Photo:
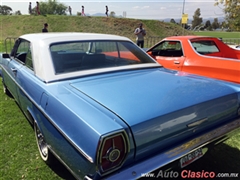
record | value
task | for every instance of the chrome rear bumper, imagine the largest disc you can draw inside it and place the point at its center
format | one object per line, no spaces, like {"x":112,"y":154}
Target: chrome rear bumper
{"x":156,"y":162}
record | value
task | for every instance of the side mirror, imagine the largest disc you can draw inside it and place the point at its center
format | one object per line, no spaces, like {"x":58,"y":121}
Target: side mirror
{"x":5,"y":55}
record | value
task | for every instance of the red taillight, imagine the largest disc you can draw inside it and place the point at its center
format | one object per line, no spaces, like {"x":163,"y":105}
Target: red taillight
{"x":112,"y":152}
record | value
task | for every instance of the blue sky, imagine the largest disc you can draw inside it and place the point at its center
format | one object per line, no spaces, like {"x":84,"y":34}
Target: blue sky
{"x":138,"y":9}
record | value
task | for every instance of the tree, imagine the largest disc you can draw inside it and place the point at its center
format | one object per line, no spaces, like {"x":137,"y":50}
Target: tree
{"x":231,"y":10}
{"x":18,"y":12}
{"x":215,"y":23}
{"x":5,"y":10}
{"x":52,"y":7}
{"x":173,"y":21}
{"x":197,"y":20}
{"x":208,"y":25}
{"x":224,"y":25}
{"x":112,"y":14}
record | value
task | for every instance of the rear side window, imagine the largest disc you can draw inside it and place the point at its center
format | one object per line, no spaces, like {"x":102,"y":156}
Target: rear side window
{"x":29,"y":61}
{"x":23,"y":47}
{"x":205,"y":46}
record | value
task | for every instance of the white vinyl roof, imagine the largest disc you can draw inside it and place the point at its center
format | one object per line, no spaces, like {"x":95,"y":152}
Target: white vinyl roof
{"x":69,"y":36}
{"x":40,"y":47}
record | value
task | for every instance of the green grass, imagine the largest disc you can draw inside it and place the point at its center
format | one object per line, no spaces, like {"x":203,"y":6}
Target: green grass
{"x":6,"y":47}
{"x":228,"y":37}
{"x":24,"y":24}
{"x":20,"y":158}
{"x":219,"y":34}
{"x":15,"y":26}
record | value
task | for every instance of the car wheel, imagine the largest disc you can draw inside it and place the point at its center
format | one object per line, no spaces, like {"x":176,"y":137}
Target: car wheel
{"x":42,"y":145}
{"x":6,"y":91}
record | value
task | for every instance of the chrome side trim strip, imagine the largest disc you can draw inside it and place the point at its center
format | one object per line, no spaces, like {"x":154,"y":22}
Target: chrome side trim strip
{"x":88,"y":157}
{"x":196,"y":123}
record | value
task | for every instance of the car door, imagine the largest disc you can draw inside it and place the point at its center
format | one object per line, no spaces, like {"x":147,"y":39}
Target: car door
{"x":30,"y":91}
{"x":169,"y":54}
{"x":16,"y":62}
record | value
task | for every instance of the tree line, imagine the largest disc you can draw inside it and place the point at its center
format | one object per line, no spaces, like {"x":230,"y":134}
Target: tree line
{"x":231,"y":10}
{"x":197,"y":23}
{"x":51,"y":7}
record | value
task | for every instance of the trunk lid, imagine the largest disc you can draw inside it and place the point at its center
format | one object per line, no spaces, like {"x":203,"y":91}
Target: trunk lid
{"x":163,"y":113}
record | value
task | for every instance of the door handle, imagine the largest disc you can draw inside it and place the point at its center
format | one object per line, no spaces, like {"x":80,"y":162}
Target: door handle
{"x":14,"y":71}
{"x":176,"y":62}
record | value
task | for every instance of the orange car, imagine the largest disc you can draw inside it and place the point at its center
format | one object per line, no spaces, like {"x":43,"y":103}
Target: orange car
{"x":206,"y":56}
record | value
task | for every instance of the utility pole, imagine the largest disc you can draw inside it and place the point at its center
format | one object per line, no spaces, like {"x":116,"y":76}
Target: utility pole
{"x":124,"y":14}
{"x":182,"y":15}
{"x":183,"y":6}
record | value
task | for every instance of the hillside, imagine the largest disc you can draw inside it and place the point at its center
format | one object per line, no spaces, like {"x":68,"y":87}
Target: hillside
{"x":23,"y":24}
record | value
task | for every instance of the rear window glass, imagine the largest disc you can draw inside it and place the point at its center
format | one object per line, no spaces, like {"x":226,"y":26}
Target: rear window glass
{"x":84,"y":55}
{"x":205,"y":46}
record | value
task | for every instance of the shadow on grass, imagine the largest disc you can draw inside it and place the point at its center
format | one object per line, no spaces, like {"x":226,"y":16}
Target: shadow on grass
{"x":61,"y":170}
{"x":220,"y":159}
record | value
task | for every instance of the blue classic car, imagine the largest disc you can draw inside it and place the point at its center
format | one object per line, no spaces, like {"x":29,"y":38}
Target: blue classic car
{"x":107,"y":110}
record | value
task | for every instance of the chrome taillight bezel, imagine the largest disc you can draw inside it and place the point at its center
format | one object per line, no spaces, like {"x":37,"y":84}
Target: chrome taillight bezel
{"x":101,"y":147}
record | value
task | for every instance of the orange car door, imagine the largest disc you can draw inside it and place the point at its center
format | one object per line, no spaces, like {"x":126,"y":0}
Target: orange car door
{"x":175,"y":63}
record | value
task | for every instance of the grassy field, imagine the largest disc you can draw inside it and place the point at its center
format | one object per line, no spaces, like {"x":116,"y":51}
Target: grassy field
{"x":219,"y":34}
{"x":18,"y":25}
{"x":20,"y":158}
{"x":14,"y":26}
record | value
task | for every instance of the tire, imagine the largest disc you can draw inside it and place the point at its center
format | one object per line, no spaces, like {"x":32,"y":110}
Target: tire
{"x":42,"y":145}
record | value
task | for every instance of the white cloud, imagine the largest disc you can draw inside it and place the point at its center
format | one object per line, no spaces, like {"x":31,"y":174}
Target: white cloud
{"x":136,"y":7}
{"x":141,"y":7}
{"x":145,"y":7}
